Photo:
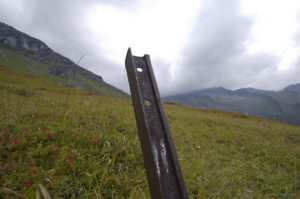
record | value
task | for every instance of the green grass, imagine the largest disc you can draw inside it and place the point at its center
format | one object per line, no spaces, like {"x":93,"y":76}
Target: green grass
{"x":89,"y":147}
{"x":24,"y":65}
{"x":103,"y":88}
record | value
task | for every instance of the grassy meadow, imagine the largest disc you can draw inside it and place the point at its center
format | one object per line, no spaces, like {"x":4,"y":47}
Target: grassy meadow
{"x":79,"y":145}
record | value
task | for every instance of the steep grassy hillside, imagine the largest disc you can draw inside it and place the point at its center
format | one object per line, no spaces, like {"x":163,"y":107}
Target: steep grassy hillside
{"x":24,"y":65}
{"x":28,"y":55}
{"x":87,"y":146}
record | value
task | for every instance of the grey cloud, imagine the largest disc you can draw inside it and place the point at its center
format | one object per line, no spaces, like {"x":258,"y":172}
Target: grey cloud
{"x":163,"y":75}
{"x":292,"y":76}
{"x":216,"y":54}
{"x":297,"y":35}
{"x":58,"y":23}
{"x":62,"y":26}
{"x":295,"y":71}
{"x":120,"y":3}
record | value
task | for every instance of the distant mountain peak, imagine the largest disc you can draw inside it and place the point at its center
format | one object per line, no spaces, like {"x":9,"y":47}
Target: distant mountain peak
{"x":281,"y":105}
{"x":246,"y":89}
{"x":37,"y":50}
{"x":12,"y":38}
{"x":293,"y":88}
{"x":218,"y":90}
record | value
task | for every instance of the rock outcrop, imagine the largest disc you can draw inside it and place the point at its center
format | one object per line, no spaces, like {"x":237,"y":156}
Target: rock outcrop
{"x":37,"y":50}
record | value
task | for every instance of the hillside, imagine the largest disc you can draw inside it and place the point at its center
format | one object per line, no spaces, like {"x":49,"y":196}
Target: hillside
{"x":87,"y":146}
{"x":283,"y":105}
{"x":28,"y":55}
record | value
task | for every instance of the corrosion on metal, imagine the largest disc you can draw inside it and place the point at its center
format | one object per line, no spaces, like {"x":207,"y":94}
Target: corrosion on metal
{"x":160,"y":160}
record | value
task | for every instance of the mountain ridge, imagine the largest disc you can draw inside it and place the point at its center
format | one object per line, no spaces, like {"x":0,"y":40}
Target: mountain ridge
{"x":283,"y":105}
{"x":57,"y":68}
{"x":293,"y":88}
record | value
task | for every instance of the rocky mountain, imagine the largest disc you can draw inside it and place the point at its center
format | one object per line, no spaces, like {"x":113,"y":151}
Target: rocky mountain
{"x":26,"y":54}
{"x":281,"y":105}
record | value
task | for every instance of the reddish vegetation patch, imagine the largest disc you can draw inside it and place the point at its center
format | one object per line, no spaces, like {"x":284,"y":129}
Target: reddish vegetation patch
{"x":44,"y":128}
{"x":28,"y":182}
{"x":94,"y":140}
{"x":50,"y":135}
{"x":69,"y":160}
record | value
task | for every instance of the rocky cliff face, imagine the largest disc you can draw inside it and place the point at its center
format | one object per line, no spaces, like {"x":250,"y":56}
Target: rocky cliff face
{"x":37,"y":50}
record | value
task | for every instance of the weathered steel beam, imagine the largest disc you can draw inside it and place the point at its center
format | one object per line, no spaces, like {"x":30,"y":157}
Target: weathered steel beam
{"x":160,"y":160}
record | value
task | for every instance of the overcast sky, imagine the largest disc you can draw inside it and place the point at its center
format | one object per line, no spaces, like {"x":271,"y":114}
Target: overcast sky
{"x":193,"y":44}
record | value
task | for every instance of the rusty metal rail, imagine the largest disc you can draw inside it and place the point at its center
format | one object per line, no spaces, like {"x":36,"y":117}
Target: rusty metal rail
{"x":160,"y":160}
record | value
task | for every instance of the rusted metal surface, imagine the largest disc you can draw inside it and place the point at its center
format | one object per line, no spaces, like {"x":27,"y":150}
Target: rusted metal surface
{"x":162,"y":167}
